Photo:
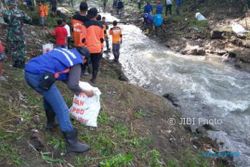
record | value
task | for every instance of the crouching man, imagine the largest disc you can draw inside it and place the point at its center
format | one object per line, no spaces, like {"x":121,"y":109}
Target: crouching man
{"x":41,"y":73}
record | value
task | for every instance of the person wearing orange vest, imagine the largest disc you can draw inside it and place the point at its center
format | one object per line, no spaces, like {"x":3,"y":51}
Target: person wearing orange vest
{"x":116,"y":33}
{"x":106,"y":27}
{"x":46,"y":8}
{"x":99,"y":19}
{"x":79,"y":31}
{"x":94,"y":41}
{"x":42,"y":13}
{"x":78,"y":26}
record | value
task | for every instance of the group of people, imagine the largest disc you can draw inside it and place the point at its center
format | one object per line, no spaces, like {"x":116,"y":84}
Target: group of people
{"x":89,"y":34}
{"x":157,"y":19}
{"x":118,"y":5}
{"x":148,"y":8}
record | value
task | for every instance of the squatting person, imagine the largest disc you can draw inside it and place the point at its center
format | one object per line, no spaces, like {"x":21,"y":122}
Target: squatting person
{"x":41,"y":73}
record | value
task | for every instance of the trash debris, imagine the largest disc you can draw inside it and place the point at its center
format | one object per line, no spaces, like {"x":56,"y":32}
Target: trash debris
{"x":238,"y":29}
{"x":47,"y":47}
{"x":200,"y":17}
{"x":86,"y":109}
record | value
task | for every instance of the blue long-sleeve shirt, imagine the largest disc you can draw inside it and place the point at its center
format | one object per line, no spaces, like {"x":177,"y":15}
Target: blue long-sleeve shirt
{"x":148,"y":8}
{"x":178,"y":2}
{"x":159,"y":9}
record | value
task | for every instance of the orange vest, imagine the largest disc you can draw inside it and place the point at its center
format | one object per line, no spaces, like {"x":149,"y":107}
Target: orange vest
{"x":79,"y":33}
{"x":42,"y":10}
{"x":116,"y":33}
{"x":95,"y":37}
{"x":46,"y":10}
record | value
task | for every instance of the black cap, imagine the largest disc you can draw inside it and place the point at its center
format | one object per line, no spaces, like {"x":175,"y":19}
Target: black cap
{"x":83,"y":51}
{"x":83,"y":6}
{"x":92,"y":12}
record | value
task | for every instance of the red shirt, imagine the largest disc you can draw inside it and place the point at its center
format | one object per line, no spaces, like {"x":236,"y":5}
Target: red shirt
{"x":60,"y":34}
{"x":1,"y":48}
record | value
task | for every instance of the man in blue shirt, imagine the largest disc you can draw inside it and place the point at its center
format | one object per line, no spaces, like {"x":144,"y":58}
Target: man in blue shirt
{"x":159,"y":7}
{"x":42,"y":71}
{"x":148,"y":8}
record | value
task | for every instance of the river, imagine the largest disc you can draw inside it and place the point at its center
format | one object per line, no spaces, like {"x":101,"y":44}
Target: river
{"x":207,"y":90}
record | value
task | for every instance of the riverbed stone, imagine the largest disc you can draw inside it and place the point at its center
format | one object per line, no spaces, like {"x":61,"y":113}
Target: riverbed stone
{"x":216,"y":34}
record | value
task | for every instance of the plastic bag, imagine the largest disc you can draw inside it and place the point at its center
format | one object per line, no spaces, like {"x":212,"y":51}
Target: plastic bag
{"x":199,"y":16}
{"x":86,"y":109}
{"x":47,"y":47}
{"x":238,"y":29}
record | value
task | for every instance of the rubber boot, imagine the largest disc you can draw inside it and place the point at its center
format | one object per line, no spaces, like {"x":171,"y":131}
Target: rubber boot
{"x":73,"y":145}
{"x":51,"y":124}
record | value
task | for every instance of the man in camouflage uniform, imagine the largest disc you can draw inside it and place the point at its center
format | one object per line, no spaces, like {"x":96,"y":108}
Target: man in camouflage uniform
{"x":15,"y":36}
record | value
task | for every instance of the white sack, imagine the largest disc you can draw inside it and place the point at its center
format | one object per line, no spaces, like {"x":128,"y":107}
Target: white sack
{"x":86,"y":109}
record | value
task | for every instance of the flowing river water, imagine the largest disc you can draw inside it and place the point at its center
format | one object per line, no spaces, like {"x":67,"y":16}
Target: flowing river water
{"x":207,"y":90}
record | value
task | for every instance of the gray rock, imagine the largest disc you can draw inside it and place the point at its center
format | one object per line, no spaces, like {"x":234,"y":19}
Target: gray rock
{"x":215,"y":34}
{"x":36,"y":140}
{"x":172,"y":98}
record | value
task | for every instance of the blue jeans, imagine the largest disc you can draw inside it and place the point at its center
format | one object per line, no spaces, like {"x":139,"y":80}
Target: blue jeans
{"x":52,"y":100}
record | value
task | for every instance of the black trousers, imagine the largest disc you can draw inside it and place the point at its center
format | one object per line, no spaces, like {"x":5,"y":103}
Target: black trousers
{"x":95,"y":60}
{"x":169,"y":8}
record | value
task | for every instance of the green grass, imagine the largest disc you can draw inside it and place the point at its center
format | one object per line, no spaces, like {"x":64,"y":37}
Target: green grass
{"x":139,"y":114}
{"x":10,"y":153}
{"x":120,"y":160}
{"x":155,"y":158}
{"x":56,"y":143}
{"x":140,"y":142}
{"x":121,"y":130}
{"x":104,"y":144}
{"x":48,"y":157}
{"x":103,"y":118}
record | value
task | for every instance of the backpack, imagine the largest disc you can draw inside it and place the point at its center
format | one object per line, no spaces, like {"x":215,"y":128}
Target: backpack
{"x":79,"y":33}
{"x":158,"y":20}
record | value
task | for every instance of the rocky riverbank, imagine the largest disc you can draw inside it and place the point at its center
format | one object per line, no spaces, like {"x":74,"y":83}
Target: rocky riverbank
{"x":214,"y":37}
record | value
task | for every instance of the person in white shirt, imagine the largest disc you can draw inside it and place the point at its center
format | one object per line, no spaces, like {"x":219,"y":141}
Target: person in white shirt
{"x":169,"y":7}
{"x":66,"y":26}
